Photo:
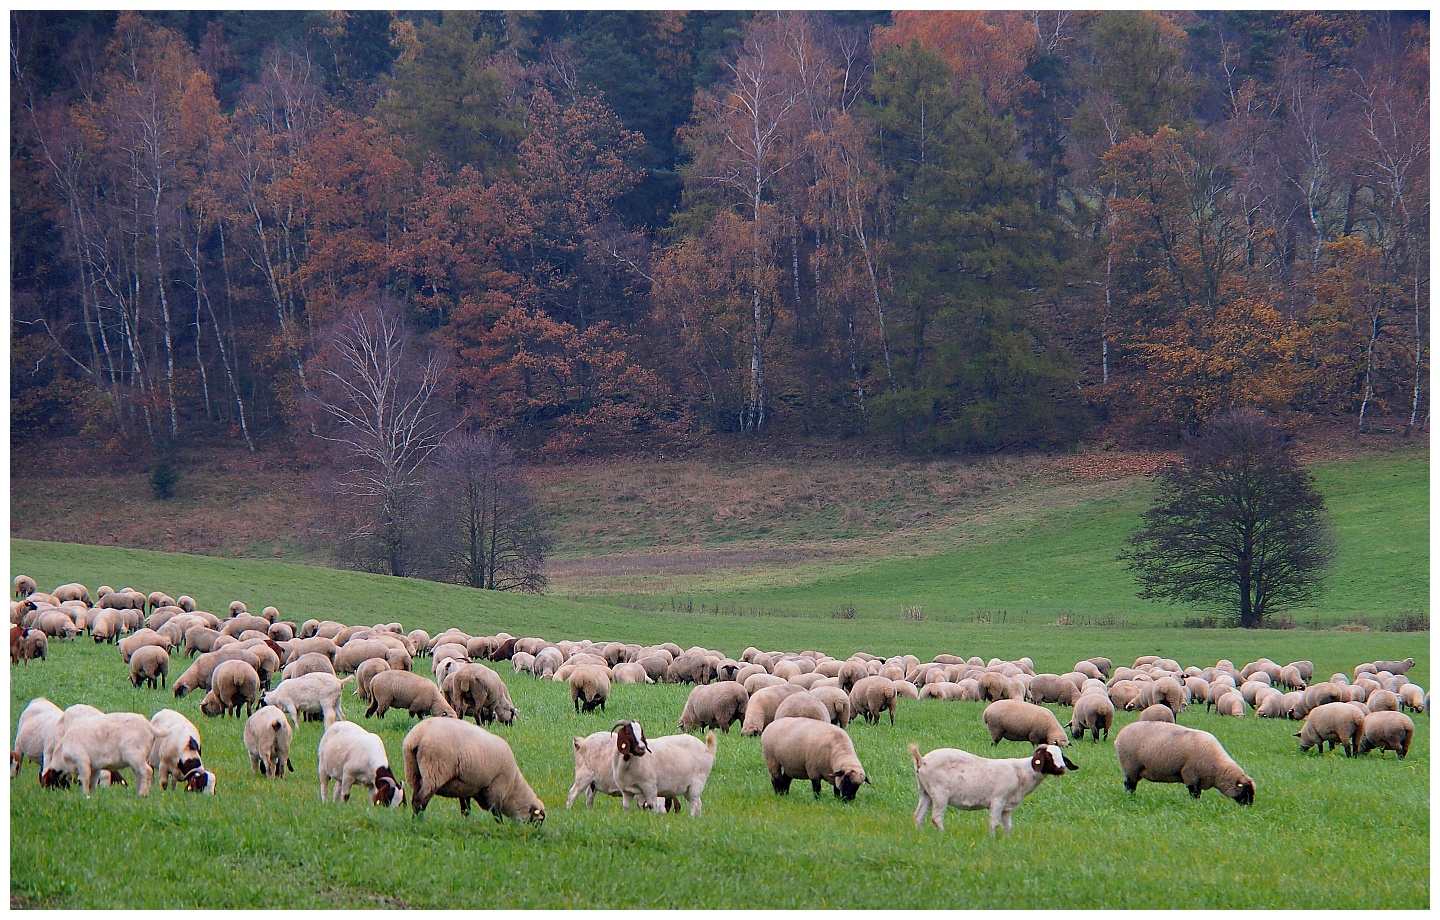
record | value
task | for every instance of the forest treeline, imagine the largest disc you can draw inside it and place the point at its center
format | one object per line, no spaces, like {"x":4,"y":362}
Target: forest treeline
{"x":956,"y":231}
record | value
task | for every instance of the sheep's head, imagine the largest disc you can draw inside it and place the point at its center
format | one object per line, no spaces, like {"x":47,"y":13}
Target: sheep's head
{"x":388,"y":790}
{"x":1243,"y":791}
{"x":848,"y":783}
{"x":1051,"y":761}
{"x":630,"y":739}
{"x":211,"y":705}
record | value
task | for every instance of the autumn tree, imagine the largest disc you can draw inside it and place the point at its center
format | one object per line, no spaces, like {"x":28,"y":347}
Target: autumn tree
{"x":1237,"y":527}
{"x":379,"y":408}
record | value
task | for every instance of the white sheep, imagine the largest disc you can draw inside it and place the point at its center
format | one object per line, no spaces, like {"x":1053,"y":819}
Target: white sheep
{"x":350,"y":755}
{"x":268,"y":735}
{"x":670,"y":767}
{"x":105,"y":742}
{"x":949,"y":777}
{"x":316,"y":692}
{"x":32,"y":731}
{"x":1163,"y":752}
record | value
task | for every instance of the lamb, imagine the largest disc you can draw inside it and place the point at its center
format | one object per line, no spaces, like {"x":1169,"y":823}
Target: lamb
{"x":1094,"y":713}
{"x":33,"y":731}
{"x":1337,"y":723}
{"x":873,"y":695}
{"x":1388,"y":731}
{"x":1017,"y":720}
{"x":1165,"y":753}
{"x":232,"y":685}
{"x":817,"y":751}
{"x":949,"y":777}
{"x":589,"y":687}
{"x":268,"y":734}
{"x":671,"y":767}
{"x":175,"y":753}
{"x":349,"y":755}
{"x":316,"y":692}
{"x":150,"y":665}
{"x":760,"y":710}
{"x":108,"y":741}
{"x":454,"y":759}
{"x":717,"y":705}
{"x":410,"y":691}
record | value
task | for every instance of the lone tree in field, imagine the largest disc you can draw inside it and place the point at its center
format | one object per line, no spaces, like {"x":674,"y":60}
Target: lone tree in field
{"x":1238,"y":525}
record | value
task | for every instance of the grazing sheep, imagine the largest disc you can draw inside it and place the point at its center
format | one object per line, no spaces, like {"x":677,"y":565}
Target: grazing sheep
{"x":454,"y":759}
{"x":1158,"y":712}
{"x":996,"y":686}
{"x":313,"y":693}
{"x":268,"y":734}
{"x":817,"y":751}
{"x":150,"y":665}
{"x":838,"y":702}
{"x":311,"y":663}
{"x":200,"y":638}
{"x":1337,"y":723}
{"x":24,"y":586}
{"x":475,"y":690}
{"x":760,"y":709}
{"x":1165,"y":753}
{"x":175,"y":753}
{"x":1326,"y":692}
{"x":1017,"y":720}
{"x":1166,"y":691}
{"x":33,"y":731}
{"x":589,"y":687}
{"x":1052,"y":688}
{"x":1291,"y":678}
{"x":350,"y":755}
{"x":1412,"y":697}
{"x":202,"y":669}
{"x":1388,"y":731}
{"x":232,"y":685}
{"x":873,"y":695}
{"x":631,"y":672}
{"x":949,"y":777}
{"x":107,"y":741}
{"x":74,"y":591}
{"x":34,"y":644}
{"x":671,"y":767}
{"x":1094,"y":713}
{"x":803,"y":706}
{"x":1382,"y":701}
{"x":1271,"y":705}
{"x":716,"y":705}
{"x":407,"y":690}
{"x":365,"y":673}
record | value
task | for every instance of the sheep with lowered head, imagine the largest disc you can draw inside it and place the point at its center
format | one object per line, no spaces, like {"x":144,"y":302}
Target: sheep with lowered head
{"x":949,"y":777}
{"x":671,"y":767}
{"x":108,"y":741}
{"x":175,"y":755}
{"x":810,"y":749}
{"x":1093,"y":713}
{"x":267,"y":736}
{"x":32,"y":731}
{"x":349,"y":755}
{"x":409,"y":691}
{"x":457,"y":760}
{"x":232,"y":685}
{"x":1017,"y":720}
{"x":1162,"y":752}
{"x":1337,"y":723}
{"x":1388,"y":731}
{"x":717,"y":705}
{"x":149,"y":665}
{"x":760,"y":709}
{"x":315,"y":693}
{"x":589,"y":687}
{"x":873,"y":695}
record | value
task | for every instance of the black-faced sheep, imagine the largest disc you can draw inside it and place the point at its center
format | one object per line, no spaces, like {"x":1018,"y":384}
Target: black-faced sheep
{"x":1337,"y":723}
{"x":268,"y":735}
{"x":1093,"y":713}
{"x":350,"y":755}
{"x":671,"y":767}
{"x":1387,"y":731}
{"x":717,"y":705}
{"x":1164,"y":753}
{"x":589,"y":687}
{"x":817,"y":751}
{"x":232,"y":685}
{"x":407,"y":690}
{"x":1017,"y":720}
{"x":454,"y":759}
{"x":873,"y":695}
{"x":948,"y":777}
{"x":149,"y":665}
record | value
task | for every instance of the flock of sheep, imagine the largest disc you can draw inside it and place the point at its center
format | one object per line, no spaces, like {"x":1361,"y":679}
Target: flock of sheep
{"x":799,"y":705}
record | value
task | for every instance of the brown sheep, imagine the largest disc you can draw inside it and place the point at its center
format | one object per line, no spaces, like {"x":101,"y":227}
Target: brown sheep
{"x":589,"y":687}
{"x":809,"y":749}
{"x":403,"y":689}
{"x":1017,"y":720}
{"x":150,"y":665}
{"x":873,"y":695}
{"x":454,"y":759}
{"x":232,"y":685}
{"x":715,"y":705}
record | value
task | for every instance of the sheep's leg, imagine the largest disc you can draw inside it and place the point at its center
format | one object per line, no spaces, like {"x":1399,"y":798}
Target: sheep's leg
{"x":921,"y":809}
{"x":815,"y":785}
{"x":781,"y":783}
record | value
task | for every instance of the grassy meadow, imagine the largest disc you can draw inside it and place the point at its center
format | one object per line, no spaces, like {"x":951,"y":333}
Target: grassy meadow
{"x":1025,"y":571}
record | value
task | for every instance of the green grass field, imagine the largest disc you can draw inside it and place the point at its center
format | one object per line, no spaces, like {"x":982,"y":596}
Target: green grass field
{"x":1325,"y":832}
